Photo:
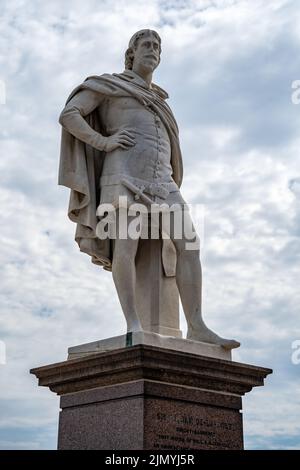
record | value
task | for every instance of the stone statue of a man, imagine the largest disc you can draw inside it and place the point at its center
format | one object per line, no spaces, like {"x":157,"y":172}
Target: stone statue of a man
{"x":120,"y":138}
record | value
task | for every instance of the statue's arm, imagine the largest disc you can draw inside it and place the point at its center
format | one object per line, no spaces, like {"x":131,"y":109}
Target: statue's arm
{"x":72,"y":118}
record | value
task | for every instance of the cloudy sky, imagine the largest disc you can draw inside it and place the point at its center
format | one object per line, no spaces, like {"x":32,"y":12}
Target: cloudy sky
{"x":228,"y":66}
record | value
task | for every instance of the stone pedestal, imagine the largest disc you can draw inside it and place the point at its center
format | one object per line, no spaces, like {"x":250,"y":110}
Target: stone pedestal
{"x":150,"y":339}
{"x":149,"y":397}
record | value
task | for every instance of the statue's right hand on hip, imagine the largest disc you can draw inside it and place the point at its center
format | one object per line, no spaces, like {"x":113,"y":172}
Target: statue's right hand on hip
{"x":123,"y":138}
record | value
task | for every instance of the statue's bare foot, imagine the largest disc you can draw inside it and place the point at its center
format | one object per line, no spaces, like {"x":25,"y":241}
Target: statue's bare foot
{"x":205,"y":335}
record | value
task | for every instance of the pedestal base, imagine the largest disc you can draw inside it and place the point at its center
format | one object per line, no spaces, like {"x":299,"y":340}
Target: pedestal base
{"x":149,"y":339}
{"x":145,"y":397}
{"x":149,"y":415}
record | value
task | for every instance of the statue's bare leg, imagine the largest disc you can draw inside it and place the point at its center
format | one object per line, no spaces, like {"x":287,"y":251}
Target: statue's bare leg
{"x":189,"y":282}
{"x":124,"y":276}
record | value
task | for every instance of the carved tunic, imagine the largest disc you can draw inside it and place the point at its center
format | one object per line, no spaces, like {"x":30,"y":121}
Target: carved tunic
{"x":142,"y":170}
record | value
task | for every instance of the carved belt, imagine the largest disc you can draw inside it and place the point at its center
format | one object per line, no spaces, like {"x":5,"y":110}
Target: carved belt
{"x":138,"y":187}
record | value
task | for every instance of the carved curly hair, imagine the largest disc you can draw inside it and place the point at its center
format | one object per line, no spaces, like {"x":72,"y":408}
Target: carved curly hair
{"x":129,"y":54}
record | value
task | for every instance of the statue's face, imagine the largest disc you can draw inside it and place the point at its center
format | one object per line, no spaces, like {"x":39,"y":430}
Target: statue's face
{"x":147,"y":53}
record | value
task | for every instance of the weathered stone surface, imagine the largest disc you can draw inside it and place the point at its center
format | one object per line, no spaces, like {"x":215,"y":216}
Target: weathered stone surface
{"x":144,"y":397}
{"x":150,"y":339}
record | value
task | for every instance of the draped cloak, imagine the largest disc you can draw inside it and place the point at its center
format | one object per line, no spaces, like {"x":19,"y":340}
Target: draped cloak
{"x":81,"y":165}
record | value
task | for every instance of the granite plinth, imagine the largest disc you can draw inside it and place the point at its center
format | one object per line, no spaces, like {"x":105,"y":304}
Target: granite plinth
{"x":149,"y":415}
{"x":146,"y":397}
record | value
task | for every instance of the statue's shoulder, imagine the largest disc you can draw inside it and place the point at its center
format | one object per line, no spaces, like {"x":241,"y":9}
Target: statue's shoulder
{"x":99,"y":78}
{"x":107,"y":83}
{"x":104,"y":79}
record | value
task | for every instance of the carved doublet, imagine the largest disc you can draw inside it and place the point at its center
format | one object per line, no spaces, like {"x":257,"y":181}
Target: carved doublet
{"x":148,"y":162}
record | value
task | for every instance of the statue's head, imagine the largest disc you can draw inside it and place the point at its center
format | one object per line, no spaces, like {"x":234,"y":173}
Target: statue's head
{"x":144,"y":49}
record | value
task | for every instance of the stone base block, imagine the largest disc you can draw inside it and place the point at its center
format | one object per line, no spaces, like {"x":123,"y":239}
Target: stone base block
{"x":150,"y":339}
{"x":149,"y":415}
{"x":147,"y":397}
